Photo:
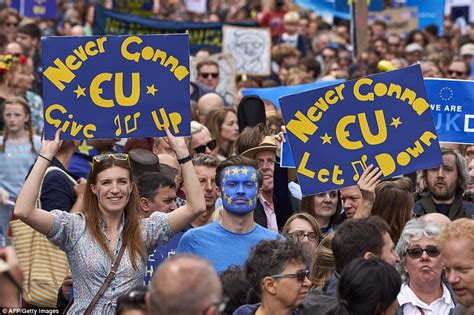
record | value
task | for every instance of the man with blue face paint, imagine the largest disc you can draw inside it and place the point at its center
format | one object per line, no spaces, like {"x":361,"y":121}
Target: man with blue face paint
{"x":229,"y":241}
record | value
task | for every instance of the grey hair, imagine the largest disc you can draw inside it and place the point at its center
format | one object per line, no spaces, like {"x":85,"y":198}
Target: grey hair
{"x":414,"y":230}
{"x":195,"y":128}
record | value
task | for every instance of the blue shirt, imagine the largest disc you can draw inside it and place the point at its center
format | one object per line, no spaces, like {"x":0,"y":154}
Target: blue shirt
{"x":222,"y":247}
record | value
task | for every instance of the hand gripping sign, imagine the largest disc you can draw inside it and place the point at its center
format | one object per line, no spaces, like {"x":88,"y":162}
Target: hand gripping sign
{"x":335,"y":132}
{"x":116,"y":86}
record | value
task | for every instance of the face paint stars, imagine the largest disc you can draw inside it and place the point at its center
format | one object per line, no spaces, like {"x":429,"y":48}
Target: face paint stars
{"x":245,"y":171}
{"x":254,"y":176}
{"x":250,"y":203}
{"x":151,"y":89}
{"x":227,"y":171}
{"x":229,"y":200}
{"x":235,"y":171}
{"x":396,"y":122}
{"x":80,"y":91}
{"x":326,"y":138}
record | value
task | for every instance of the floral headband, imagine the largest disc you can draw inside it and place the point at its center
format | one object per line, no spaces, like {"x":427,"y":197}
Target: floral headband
{"x":6,"y":61}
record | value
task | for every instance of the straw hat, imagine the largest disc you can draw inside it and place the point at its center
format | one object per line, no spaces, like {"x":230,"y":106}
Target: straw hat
{"x":268,"y":144}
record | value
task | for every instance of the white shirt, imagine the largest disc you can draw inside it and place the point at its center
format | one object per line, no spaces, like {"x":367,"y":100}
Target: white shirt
{"x":410,"y":302}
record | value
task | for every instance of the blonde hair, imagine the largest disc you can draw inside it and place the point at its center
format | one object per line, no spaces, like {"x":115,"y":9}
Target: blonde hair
{"x":323,"y":265}
{"x":462,"y":228}
{"x":291,"y":17}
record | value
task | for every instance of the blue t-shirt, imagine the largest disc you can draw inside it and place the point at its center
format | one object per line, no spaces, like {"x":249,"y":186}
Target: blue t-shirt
{"x":222,"y":247}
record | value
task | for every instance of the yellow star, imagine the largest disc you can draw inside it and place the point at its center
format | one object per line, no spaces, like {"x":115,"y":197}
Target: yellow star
{"x":224,"y":180}
{"x":229,"y":200}
{"x":396,"y":122}
{"x":245,"y":171}
{"x":225,"y":196}
{"x":227,"y":172}
{"x":151,"y":89}
{"x":80,"y":91}
{"x":84,"y":148}
{"x":326,"y":138}
{"x":250,"y":203}
{"x":254,"y":176}
{"x":235,"y":171}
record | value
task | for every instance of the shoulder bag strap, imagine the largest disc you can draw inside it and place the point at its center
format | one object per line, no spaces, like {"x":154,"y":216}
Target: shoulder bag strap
{"x":107,"y":281}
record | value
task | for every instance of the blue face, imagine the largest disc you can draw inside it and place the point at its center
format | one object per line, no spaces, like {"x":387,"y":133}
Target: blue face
{"x":239,"y":188}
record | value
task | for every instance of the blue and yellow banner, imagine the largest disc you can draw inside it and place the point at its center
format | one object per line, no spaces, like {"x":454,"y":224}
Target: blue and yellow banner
{"x":116,"y":86}
{"x":201,"y":35}
{"x":336,"y":132}
{"x":452,"y":106}
{"x":138,"y":7}
{"x":45,"y":9}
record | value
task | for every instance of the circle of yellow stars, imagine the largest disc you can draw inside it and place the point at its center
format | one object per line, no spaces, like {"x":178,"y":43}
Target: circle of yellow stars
{"x":236,"y":171}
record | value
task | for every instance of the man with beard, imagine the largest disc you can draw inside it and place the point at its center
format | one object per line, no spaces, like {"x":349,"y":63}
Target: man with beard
{"x":457,"y":251}
{"x":229,"y":241}
{"x":446,"y":185}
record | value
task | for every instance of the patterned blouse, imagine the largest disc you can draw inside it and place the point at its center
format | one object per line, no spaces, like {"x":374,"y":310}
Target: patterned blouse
{"x":90,"y":265}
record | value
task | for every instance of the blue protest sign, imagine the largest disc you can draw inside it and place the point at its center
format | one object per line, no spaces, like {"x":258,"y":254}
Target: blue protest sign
{"x":429,"y":12}
{"x":45,"y":9}
{"x":452,"y":106}
{"x":116,"y":86}
{"x":138,"y":7}
{"x":336,"y":132}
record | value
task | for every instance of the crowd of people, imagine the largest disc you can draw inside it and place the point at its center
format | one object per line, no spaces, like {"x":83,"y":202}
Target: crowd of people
{"x":212,"y":223}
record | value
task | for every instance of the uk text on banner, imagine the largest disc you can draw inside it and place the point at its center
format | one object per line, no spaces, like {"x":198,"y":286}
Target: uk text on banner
{"x":335,"y":132}
{"x":45,"y":9}
{"x":452,"y":106}
{"x":116,"y":86}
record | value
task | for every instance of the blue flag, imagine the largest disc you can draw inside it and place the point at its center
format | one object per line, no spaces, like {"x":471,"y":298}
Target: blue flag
{"x":336,"y":132}
{"x":452,"y":106}
{"x":45,"y":9}
{"x":116,"y":86}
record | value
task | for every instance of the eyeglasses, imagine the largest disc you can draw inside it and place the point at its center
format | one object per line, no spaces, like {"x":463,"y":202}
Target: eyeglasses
{"x":416,"y":252}
{"x":300,"y":235}
{"x":221,"y":305}
{"x":209,"y":74}
{"x":326,"y":57}
{"x":102,"y":157}
{"x":454,"y":72}
{"x":202,"y":148}
{"x":300,"y":275}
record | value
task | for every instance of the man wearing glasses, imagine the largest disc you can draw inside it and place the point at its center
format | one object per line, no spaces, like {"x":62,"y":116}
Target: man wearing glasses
{"x":208,"y":73}
{"x":459,"y":69}
{"x":200,"y":140}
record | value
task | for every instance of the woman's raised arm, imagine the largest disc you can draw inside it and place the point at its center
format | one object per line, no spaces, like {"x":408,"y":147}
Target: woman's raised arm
{"x":195,"y":203}
{"x":25,"y":209}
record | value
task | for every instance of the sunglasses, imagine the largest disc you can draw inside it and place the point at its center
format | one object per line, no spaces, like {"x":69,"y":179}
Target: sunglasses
{"x":10,"y":24}
{"x":220,"y":305}
{"x":202,"y":148}
{"x":416,"y":252}
{"x":300,"y":235}
{"x":102,"y":157}
{"x":300,"y":275}
{"x":209,"y":74}
{"x":460,"y":73}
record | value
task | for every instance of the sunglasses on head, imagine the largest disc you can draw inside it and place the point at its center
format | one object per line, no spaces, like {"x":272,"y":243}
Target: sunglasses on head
{"x":299,"y":275}
{"x":102,"y":157}
{"x":209,"y":74}
{"x":416,"y":252}
{"x":202,"y":148}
